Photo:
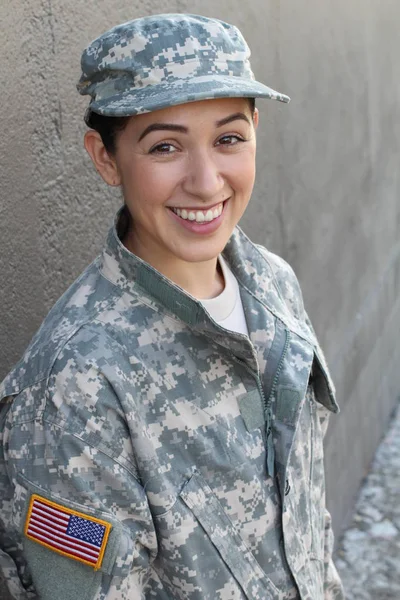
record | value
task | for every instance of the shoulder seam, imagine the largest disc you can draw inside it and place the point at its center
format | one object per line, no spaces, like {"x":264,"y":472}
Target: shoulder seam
{"x":134,"y":475}
{"x":84,"y":441}
{"x":92,"y":317}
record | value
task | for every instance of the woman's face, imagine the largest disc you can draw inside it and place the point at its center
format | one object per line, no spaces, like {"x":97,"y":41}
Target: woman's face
{"x":187,"y":174}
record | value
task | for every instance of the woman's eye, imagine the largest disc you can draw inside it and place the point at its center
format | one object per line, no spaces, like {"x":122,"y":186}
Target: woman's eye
{"x":163,"y":149}
{"x":230,"y":140}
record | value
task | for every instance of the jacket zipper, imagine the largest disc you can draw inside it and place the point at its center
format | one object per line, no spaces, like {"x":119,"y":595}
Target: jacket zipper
{"x":267,"y":404}
{"x":280,"y":365}
{"x":270,"y":441}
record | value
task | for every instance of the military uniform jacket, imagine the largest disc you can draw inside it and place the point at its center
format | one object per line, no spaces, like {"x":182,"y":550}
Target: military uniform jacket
{"x":168,"y":442}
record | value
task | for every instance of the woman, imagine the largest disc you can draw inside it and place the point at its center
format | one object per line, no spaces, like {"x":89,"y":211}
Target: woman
{"x":162,"y":435}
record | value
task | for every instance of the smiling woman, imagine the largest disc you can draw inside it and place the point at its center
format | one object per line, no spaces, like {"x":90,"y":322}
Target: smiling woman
{"x":162,"y":435}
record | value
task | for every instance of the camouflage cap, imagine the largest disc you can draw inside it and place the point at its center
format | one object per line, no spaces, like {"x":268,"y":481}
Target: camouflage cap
{"x":163,"y":60}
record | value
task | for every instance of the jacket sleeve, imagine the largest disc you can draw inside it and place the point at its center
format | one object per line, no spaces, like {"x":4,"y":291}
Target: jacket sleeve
{"x":75,"y":455}
{"x":333,"y":589}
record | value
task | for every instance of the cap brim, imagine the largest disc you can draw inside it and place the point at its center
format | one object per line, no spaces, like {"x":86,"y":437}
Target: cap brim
{"x":156,"y":97}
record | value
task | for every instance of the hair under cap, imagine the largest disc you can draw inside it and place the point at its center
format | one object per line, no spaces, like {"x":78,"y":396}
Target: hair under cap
{"x":164,"y":60}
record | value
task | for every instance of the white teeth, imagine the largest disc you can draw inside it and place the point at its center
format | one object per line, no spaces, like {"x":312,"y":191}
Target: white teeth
{"x":199,"y":216}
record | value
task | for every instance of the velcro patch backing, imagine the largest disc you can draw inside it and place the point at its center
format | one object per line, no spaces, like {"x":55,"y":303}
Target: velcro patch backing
{"x":252,"y":410}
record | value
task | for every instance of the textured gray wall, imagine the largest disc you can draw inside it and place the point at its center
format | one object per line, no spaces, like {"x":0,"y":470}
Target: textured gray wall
{"x":327,"y":196}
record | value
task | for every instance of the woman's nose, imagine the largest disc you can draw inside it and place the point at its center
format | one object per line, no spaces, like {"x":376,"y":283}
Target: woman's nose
{"x":203,"y":176}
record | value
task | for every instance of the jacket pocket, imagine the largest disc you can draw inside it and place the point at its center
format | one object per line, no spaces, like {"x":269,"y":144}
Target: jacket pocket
{"x":205,"y":506}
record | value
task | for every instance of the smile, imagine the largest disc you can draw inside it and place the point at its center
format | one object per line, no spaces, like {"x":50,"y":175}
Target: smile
{"x":200,"y":216}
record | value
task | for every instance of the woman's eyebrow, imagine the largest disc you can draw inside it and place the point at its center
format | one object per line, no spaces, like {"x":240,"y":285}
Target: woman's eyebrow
{"x":163,"y":127}
{"x":231,"y":118}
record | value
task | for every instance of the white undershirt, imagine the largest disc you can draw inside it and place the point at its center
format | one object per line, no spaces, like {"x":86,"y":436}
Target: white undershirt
{"x":227,"y":308}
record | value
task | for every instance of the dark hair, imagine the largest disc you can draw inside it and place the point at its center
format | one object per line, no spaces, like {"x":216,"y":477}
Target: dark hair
{"x":110,"y":127}
{"x":107,"y":127}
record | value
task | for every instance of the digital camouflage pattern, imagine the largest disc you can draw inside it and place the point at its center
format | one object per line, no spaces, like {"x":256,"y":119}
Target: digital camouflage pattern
{"x":163,"y":60}
{"x":200,"y":446}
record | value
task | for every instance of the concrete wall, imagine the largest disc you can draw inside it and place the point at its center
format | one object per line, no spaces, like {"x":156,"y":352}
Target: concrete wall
{"x":327,"y":195}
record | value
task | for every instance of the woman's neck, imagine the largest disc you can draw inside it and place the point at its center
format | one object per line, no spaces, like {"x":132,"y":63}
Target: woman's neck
{"x":201,"y":280}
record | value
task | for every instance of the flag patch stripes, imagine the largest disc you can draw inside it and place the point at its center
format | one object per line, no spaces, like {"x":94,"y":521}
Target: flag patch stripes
{"x":66,"y":531}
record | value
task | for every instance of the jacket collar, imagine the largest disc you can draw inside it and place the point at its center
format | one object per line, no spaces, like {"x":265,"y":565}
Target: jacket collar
{"x":251,"y":268}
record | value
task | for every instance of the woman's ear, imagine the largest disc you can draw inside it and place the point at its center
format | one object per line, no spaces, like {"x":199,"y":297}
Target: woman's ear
{"x":255,"y":118}
{"x":105,"y":164}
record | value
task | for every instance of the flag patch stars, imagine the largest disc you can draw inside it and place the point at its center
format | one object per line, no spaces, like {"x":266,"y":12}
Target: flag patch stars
{"x":66,"y":531}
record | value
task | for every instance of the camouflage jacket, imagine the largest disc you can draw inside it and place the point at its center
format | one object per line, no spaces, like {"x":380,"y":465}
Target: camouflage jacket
{"x":168,"y":441}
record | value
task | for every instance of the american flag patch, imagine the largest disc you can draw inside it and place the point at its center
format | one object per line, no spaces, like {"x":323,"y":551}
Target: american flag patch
{"x":66,"y":531}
